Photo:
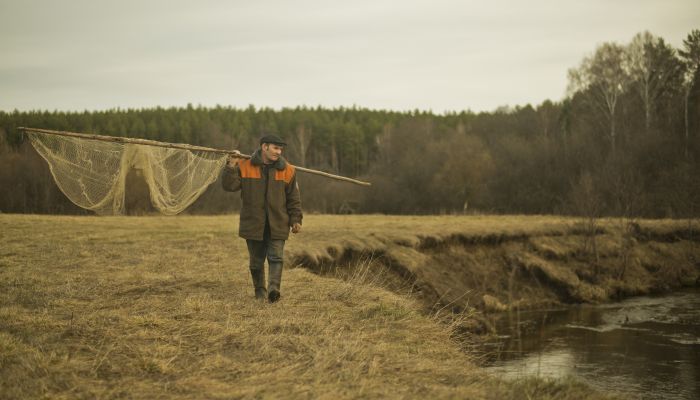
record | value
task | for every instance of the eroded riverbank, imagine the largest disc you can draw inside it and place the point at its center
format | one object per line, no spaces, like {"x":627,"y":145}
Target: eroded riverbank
{"x":494,"y":264}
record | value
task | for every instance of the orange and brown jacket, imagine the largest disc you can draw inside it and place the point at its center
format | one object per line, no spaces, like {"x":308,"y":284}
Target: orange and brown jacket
{"x":276,"y":197}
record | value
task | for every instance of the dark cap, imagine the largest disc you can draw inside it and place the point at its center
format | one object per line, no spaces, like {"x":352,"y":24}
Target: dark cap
{"x":274,"y":139}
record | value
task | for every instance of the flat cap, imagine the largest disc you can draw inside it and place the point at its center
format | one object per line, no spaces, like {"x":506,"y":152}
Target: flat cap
{"x":274,"y":139}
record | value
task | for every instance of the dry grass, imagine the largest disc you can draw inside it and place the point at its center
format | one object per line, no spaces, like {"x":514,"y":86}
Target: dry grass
{"x":157,"y":307}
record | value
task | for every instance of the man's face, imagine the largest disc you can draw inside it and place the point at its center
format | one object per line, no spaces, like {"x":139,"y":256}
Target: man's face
{"x":271,"y":152}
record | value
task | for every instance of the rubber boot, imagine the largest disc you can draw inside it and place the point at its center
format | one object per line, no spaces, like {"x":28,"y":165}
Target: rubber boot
{"x":258,"y":276}
{"x":275,"y":281}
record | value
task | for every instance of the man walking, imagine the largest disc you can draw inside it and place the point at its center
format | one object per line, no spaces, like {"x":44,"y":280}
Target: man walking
{"x":271,"y":207}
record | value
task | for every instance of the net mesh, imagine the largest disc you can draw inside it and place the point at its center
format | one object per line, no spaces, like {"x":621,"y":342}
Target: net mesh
{"x":92,"y":173}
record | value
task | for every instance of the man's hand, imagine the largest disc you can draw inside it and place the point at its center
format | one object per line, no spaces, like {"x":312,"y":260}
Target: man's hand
{"x":296,"y":228}
{"x":234,"y":158}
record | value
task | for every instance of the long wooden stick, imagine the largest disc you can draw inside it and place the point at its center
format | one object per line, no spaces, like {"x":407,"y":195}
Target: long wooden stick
{"x":182,"y":146}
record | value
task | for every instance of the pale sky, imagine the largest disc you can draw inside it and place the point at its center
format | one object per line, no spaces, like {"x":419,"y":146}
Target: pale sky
{"x":430,"y":55}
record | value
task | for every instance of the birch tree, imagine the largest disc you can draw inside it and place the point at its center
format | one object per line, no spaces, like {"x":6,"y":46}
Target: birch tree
{"x":652,"y":65}
{"x":603,"y":78}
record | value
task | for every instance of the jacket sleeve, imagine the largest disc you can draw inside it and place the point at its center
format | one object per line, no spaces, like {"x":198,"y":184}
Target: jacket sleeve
{"x":231,"y":179}
{"x":293,"y":201}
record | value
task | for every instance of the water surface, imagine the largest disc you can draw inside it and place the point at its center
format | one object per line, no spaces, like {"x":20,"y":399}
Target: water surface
{"x":645,"y":347}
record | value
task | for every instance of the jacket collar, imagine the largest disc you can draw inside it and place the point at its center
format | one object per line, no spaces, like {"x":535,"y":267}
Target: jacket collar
{"x":256,"y":159}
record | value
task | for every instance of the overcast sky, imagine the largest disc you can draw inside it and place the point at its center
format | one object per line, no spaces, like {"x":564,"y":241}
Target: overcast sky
{"x":401,"y":55}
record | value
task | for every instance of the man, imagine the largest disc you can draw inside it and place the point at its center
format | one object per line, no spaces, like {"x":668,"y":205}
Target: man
{"x":271,"y":207}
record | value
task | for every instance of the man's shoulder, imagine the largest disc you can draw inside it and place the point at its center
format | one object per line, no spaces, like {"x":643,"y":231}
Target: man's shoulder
{"x":286,"y":174}
{"x":248,"y":169}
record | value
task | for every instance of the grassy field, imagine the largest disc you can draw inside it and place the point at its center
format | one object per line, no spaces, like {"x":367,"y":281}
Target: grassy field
{"x":162,"y":307}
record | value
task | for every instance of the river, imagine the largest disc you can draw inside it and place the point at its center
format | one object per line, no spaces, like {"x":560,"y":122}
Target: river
{"x":644,"y":347}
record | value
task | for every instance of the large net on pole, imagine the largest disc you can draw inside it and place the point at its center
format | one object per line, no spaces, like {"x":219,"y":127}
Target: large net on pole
{"x":92,"y":173}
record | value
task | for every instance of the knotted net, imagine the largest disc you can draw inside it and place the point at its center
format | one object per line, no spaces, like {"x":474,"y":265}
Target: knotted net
{"x":92,"y":173}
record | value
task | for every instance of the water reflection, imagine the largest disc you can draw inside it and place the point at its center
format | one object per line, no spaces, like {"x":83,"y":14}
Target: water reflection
{"x":647,"y":347}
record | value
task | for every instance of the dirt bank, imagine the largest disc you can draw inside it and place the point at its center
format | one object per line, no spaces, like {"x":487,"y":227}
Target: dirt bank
{"x":509,"y":262}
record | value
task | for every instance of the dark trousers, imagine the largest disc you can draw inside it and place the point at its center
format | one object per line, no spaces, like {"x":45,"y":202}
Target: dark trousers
{"x":259,"y":250}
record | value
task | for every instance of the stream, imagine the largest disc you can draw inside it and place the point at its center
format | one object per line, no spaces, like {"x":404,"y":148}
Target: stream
{"x":643,"y":347}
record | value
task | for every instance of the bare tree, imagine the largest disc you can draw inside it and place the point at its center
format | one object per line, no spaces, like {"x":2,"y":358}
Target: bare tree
{"x":651,"y":64}
{"x":624,"y":185}
{"x":690,"y":54}
{"x":603,"y":78}
{"x":302,"y":139}
{"x":586,"y":201}
{"x":547,"y":115}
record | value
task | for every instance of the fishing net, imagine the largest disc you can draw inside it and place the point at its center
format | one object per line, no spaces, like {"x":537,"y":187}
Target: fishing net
{"x":92,"y":173}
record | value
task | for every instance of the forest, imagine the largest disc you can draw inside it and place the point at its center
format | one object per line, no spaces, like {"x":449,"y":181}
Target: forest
{"x":624,"y":141}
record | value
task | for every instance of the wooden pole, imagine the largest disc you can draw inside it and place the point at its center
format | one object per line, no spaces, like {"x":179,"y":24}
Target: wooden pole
{"x":182,"y":146}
